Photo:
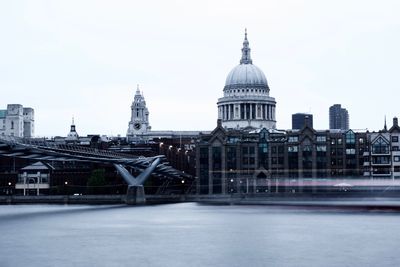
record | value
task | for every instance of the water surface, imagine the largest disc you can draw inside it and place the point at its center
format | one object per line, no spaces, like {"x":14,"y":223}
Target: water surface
{"x":190,"y":234}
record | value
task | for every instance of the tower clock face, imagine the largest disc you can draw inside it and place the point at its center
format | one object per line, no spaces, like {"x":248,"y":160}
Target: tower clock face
{"x":137,"y":125}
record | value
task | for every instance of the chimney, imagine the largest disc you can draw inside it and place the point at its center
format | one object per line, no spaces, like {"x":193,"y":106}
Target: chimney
{"x":395,"y":121}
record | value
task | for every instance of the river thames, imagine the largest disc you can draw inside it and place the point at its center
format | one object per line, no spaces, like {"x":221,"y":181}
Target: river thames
{"x":189,"y":234}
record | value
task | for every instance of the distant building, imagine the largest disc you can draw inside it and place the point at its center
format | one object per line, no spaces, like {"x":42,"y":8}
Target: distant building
{"x":299,"y":120}
{"x":17,"y":121}
{"x":338,"y":117}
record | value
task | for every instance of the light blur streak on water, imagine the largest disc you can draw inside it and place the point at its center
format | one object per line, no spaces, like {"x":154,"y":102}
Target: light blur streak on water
{"x":195,"y":235}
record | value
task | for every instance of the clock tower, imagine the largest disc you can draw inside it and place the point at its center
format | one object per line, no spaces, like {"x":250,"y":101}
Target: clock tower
{"x":139,"y":123}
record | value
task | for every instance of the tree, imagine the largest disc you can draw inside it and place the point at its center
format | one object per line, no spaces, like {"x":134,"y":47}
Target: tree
{"x":96,"y":179}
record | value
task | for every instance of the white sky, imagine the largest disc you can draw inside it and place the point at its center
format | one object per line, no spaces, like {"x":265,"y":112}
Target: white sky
{"x":84,"y":59}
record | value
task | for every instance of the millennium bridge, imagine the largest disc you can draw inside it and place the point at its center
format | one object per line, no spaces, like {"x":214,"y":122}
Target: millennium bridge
{"x":47,"y":151}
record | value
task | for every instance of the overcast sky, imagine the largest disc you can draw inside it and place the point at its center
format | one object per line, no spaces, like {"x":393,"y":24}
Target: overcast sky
{"x":85,"y":58}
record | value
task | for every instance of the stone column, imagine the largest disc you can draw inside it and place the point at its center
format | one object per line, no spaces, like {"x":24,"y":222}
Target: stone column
{"x":264,"y":111}
{"x":251,"y":111}
{"x":273,"y":113}
{"x":224,"y":112}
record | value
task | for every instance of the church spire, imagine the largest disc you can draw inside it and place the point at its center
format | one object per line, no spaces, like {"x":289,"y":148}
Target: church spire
{"x":246,"y":59}
{"x":137,"y":90}
{"x":385,"y":126}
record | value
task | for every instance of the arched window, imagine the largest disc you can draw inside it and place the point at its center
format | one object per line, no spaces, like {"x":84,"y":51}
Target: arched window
{"x":12,"y":125}
{"x":350,"y":137}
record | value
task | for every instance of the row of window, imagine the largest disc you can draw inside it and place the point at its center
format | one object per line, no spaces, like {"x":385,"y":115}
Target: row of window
{"x":247,"y":90}
{"x":350,"y":139}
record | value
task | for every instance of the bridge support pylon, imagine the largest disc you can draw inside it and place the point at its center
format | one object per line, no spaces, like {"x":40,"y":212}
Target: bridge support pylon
{"x":135,"y":195}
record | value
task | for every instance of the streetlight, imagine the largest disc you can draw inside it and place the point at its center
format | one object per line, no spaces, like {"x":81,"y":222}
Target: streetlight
{"x":9,"y":190}
{"x":183,"y":186}
{"x":65,"y":187}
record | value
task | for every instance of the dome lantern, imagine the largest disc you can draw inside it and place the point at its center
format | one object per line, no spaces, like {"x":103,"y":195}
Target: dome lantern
{"x":246,"y":59}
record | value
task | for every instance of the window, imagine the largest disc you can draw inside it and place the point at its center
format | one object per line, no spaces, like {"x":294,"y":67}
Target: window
{"x":396,"y":158}
{"x":321,"y":148}
{"x":251,"y":150}
{"x":293,"y":148}
{"x":333,"y":141}
{"x":293,"y":139}
{"x":321,"y":138}
{"x":350,"y":151}
{"x":395,"y":139}
{"x":12,"y":125}
{"x":350,"y":137}
{"x":232,"y":140}
{"x":381,"y":160}
{"x":361,"y":141}
{"x":395,"y":148}
{"x":380,"y":146}
{"x":339,"y":141}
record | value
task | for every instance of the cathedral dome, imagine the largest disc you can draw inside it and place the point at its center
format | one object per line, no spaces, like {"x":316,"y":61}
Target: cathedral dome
{"x":246,"y":102}
{"x":246,"y":75}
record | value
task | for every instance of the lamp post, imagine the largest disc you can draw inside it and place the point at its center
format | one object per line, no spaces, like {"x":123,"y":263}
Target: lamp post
{"x":183,"y":186}
{"x":9,"y":191}
{"x":65,"y":187}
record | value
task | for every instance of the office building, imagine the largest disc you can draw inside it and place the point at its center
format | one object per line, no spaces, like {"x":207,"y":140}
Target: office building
{"x":299,"y":120}
{"x":338,"y":117}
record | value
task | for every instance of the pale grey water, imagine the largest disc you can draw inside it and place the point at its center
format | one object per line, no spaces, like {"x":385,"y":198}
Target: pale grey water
{"x":195,"y":235}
